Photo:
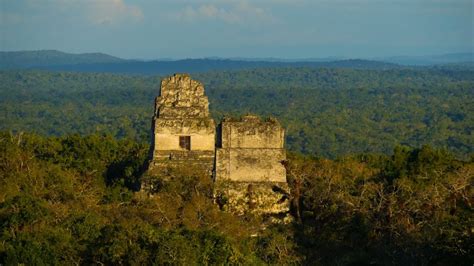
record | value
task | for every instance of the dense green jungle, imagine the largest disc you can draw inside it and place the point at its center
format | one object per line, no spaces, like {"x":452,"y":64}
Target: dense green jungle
{"x":380,"y":168}
{"x":326,"y":112}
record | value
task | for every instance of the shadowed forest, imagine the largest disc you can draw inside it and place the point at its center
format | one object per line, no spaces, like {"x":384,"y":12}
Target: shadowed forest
{"x":69,"y":200}
{"x":380,"y":167}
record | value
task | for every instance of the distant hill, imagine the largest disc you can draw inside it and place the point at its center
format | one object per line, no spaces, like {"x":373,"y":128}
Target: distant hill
{"x":457,"y":66}
{"x":29,"y":59}
{"x":431,"y":59}
{"x":97,"y":62}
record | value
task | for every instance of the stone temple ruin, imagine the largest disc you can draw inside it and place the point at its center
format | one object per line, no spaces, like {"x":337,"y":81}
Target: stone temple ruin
{"x":244,"y":158}
{"x":183,"y":132}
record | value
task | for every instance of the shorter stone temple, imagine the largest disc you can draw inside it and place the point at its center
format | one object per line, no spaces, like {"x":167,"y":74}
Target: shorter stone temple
{"x":249,"y":169}
{"x":244,"y":158}
{"x":250,"y":150}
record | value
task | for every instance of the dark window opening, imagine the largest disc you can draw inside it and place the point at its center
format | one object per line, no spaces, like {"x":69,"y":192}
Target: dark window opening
{"x":185,"y":142}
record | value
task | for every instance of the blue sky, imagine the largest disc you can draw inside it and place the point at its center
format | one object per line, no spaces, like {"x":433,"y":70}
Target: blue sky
{"x":151,"y":29}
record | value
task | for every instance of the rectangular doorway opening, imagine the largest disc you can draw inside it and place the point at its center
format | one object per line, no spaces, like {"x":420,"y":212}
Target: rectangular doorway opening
{"x":185,"y":142}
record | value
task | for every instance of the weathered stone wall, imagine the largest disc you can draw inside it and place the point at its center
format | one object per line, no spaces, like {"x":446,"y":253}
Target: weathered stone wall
{"x":250,"y":132}
{"x":251,"y":150}
{"x":266,"y":199}
{"x":249,"y":168}
{"x":250,"y":165}
{"x":201,"y":131}
{"x":166,"y":163}
{"x":181,"y":97}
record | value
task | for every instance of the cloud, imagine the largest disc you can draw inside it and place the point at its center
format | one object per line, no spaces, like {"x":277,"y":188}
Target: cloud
{"x":103,"y":12}
{"x":238,"y":12}
{"x":10,"y":18}
{"x":111,"y":11}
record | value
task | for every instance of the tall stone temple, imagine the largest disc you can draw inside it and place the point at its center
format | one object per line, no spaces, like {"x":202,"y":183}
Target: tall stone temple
{"x":183,"y":132}
{"x":243,"y":156}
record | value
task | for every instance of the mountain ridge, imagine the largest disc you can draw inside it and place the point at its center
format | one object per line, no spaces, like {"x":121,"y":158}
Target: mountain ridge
{"x":27,"y":59}
{"x":55,"y":60}
{"x":98,"y":62}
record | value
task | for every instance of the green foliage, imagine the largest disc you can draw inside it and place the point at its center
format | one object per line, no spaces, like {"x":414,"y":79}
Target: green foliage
{"x":423,"y":163}
{"x":45,"y":246}
{"x":400,"y":210}
{"x":276,"y":245}
{"x":22,"y":210}
{"x":67,"y":200}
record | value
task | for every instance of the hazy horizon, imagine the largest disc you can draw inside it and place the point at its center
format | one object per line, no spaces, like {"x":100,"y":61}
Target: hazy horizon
{"x":328,"y":57}
{"x":283,"y":29}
